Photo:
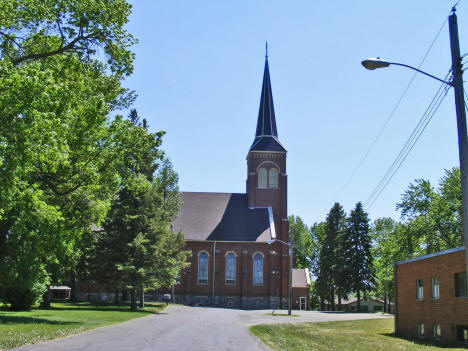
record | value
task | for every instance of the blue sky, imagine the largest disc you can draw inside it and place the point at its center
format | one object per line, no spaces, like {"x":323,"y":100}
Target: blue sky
{"x":198,"y":75}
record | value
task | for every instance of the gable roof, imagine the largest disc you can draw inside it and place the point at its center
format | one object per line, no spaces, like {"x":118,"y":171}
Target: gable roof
{"x":223,"y":217}
{"x":266,"y":135}
{"x":300,"y":278}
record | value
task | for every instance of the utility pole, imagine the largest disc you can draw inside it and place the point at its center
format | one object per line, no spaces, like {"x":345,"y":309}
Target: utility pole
{"x":461,"y":122}
{"x":387,"y":303}
{"x":290,"y":270}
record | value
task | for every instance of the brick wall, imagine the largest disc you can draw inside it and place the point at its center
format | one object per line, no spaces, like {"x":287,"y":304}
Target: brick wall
{"x":190,"y":291}
{"x":297,"y":293}
{"x":448,"y":311}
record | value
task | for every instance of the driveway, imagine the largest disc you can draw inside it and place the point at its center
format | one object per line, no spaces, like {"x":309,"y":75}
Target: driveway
{"x":183,"y":328}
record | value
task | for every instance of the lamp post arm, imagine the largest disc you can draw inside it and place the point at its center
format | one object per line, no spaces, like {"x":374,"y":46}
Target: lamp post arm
{"x":422,"y":72}
{"x":283,"y":242}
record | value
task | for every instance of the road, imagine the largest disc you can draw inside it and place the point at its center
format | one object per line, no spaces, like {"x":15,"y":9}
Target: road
{"x":183,"y":328}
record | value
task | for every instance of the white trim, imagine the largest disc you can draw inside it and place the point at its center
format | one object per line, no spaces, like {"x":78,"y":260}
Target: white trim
{"x":435,"y":254}
{"x":261,"y":164}
{"x":307,"y":276}
{"x":272,"y":222}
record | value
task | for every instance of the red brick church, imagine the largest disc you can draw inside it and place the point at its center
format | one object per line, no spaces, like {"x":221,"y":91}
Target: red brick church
{"x":232,"y":265}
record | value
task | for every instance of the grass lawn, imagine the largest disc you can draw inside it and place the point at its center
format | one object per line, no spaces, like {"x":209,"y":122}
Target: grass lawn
{"x":363,"y":335}
{"x":62,"y":319}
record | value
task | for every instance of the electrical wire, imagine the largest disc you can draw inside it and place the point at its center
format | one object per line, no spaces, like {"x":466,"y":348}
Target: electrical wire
{"x":409,"y":144}
{"x":369,"y":149}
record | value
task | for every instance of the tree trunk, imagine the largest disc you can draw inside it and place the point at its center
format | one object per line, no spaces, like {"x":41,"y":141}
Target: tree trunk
{"x":322,"y":304}
{"x":142,"y":298}
{"x":133,"y":302}
{"x":45,"y":303}
{"x":72,"y":286}
{"x":332,"y":299}
{"x":339,"y":303}
{"x":124,"y":294}
{"x":358,"y":293}
{"x":116,"y":298}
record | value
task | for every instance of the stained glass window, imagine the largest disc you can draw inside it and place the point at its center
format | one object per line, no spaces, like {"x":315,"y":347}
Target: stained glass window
{"x":258,"y":269}
{"x":230,"y":268}
{"x":203,"y":268}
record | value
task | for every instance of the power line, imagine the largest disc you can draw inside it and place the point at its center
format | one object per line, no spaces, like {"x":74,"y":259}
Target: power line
{"x":356,"y":169}
{"x":409,"y":144}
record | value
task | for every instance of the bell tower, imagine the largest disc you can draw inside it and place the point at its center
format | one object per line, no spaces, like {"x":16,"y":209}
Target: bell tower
{"x":266,"y":163}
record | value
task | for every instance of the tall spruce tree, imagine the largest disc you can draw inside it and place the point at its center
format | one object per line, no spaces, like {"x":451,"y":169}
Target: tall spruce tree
{"x":360,"y":254}
{"x":327,"y":279}
{"x":137,"y":245}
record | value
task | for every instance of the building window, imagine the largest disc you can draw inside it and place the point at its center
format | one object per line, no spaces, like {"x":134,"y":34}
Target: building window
{"x":421,"y":330}
{"x":258,"y":269}
{"x":436,"y":331}
{"x":435,"y":288}
{"x":262,"y":178}
{"x":461,"y":289}
{"x":419,"y":290}
{"x":230,"y":269}
{"x":462,"y":334}
{"x":273,"y":178}
{"x":203,"y":267}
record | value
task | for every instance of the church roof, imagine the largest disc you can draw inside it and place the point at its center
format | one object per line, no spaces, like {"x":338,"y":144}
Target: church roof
{"x":266,"y":135}
{"x":300,"y":278}
{"x":223,"y":217}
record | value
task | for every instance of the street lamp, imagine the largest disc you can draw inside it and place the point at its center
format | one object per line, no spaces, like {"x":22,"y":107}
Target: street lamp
{"x":457,"y":84}
{"x":291,"y":246}
{"x":376,"y":62}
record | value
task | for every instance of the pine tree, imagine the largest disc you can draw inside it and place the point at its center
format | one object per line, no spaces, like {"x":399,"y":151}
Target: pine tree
{"x":137,"y":245}
{"x":327,"y":279}
{"x":360,"y":255}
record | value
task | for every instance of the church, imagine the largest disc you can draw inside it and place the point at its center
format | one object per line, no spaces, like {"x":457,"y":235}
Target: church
{"x":235,"y":259}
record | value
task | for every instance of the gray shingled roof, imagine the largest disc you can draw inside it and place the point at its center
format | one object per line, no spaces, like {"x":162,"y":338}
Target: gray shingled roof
{"x":222,"y":217}
{"x":300,"y":278}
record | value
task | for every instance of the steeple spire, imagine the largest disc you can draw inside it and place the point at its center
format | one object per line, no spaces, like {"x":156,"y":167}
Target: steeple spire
{"x":266,"y":135}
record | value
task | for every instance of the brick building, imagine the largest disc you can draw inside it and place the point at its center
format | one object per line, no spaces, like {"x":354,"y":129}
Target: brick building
{"x":232,"y":265}
{"x":431,"y":297}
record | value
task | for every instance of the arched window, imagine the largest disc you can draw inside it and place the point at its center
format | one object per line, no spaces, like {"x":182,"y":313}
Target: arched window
{"x":258,"y":269}
{"x":273,"y":178}
{"x":203,"y":268}
{"x":230,"y":269}
{"x":262,"y":178}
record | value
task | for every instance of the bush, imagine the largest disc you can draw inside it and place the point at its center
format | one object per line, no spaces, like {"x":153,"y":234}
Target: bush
{"x":23,"y":285}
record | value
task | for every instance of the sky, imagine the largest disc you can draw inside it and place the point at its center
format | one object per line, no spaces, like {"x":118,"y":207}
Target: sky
{"x":198,"y":75}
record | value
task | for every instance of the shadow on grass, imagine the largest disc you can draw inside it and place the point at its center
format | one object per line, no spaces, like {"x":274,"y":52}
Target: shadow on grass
{"x":31,"y":320}
{"x":424,"y":342}
{"x":101,"y":307}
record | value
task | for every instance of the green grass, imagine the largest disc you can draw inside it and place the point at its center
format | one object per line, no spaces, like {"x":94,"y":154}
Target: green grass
{"x":62,"y":319}
{"x":363,"y":335}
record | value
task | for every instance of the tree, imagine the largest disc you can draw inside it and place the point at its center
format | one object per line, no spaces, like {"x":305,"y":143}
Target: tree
{"x":384,"y":249}
{"x":327,"y":275}
{"x":137,"y":244}
{"x":56,"y":152}
{"x":303,"y":246}
{"x":432,"y":217}
{"x":359,"y":257}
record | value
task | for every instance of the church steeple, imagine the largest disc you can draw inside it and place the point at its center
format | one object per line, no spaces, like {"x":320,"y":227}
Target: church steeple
{"x":266,"y":135}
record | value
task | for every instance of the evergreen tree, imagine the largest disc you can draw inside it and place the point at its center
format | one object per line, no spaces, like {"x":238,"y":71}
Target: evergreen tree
{"x":360,"y":255}
{"x":137,"y":244}
{"x":327,"y":278}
